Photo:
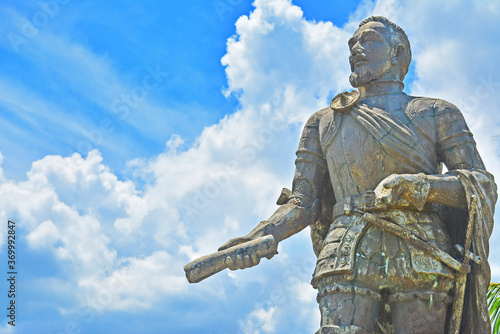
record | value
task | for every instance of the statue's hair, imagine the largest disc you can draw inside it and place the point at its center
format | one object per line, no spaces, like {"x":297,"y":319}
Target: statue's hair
{"x":398,"y":37}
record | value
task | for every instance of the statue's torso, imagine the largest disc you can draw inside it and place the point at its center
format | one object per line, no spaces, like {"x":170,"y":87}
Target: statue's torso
{"x":358,"y":162}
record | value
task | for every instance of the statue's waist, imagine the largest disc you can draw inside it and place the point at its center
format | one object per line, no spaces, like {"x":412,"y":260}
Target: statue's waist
{"x":366,"y":203}
{"x":351,"y":234}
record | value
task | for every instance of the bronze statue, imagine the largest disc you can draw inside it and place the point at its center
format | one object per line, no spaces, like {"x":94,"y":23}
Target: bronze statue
{"x":401,"y":247}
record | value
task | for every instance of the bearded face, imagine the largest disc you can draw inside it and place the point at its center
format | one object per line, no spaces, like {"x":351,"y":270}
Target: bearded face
{"x":366,"y":73}
{"x":370,"y":57}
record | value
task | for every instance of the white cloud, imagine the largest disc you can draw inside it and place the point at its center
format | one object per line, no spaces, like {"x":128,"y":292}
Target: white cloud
{"x":283,"y":68}
{"x":281,"y":60}
{"x":140,"y":283}
{"x":304,"y":292}
{"x":45,"y":234}
{"x":7,"y":329}
{"x":260,"y":320}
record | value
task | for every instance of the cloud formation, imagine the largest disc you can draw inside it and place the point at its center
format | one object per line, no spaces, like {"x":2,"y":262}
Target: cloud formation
{"x":123,"y":245}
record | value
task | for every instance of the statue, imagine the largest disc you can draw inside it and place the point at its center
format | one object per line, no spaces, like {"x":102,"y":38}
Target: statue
{"x":401,"y":247}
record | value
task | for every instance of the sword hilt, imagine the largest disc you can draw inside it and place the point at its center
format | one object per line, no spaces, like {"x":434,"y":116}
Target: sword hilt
{"x":468,"y":254}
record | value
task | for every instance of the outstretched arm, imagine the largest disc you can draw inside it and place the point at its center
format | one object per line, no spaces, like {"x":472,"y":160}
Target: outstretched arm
{"x":303,"y":205}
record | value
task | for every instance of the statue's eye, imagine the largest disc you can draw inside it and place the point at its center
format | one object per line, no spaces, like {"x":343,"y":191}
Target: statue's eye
{"x":369,"y":38}
{"x":351,"y":43}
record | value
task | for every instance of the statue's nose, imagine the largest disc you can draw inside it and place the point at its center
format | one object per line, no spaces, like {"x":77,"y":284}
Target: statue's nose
{"x":356,"y":50}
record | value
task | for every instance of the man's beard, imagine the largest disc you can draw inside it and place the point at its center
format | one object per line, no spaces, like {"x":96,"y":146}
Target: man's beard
{"x":367,"y":73}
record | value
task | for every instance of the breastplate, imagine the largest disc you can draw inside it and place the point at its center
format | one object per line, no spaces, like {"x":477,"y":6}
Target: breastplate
{"x":356,"y":161}
{"x":359,"y":157}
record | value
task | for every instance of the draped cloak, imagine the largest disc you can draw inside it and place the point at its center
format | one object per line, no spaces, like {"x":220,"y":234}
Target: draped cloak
{"x":399,"y":140}
{"x":479,"y":183}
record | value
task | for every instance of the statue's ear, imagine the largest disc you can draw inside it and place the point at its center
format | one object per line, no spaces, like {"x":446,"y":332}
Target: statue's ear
{"x":398,"y":53}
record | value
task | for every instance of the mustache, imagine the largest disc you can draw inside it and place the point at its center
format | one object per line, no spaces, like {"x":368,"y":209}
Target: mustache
{"x":366,"y":74}
{"x":356,"y":58}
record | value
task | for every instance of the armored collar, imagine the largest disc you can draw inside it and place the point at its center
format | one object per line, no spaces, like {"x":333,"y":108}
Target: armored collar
{"x":344,"y":101}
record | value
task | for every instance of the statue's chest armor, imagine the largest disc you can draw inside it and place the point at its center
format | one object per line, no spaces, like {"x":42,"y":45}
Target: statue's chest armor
{"x":356,"y":161}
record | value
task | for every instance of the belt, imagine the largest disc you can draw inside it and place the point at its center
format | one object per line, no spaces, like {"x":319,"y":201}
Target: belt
{"x":366,"y":202}
{"x":349,"y":205}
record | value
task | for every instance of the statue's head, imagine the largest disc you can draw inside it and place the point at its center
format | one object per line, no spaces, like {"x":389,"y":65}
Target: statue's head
{"x":380,"y":50}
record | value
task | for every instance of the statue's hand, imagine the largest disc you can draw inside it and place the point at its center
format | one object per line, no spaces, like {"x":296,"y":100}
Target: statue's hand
{"x":234,"y":242}
{"x":400,"y":190}
{"x":240,"y":261}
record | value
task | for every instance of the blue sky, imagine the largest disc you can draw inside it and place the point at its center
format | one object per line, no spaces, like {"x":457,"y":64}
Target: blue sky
{"x":137,"y":136}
